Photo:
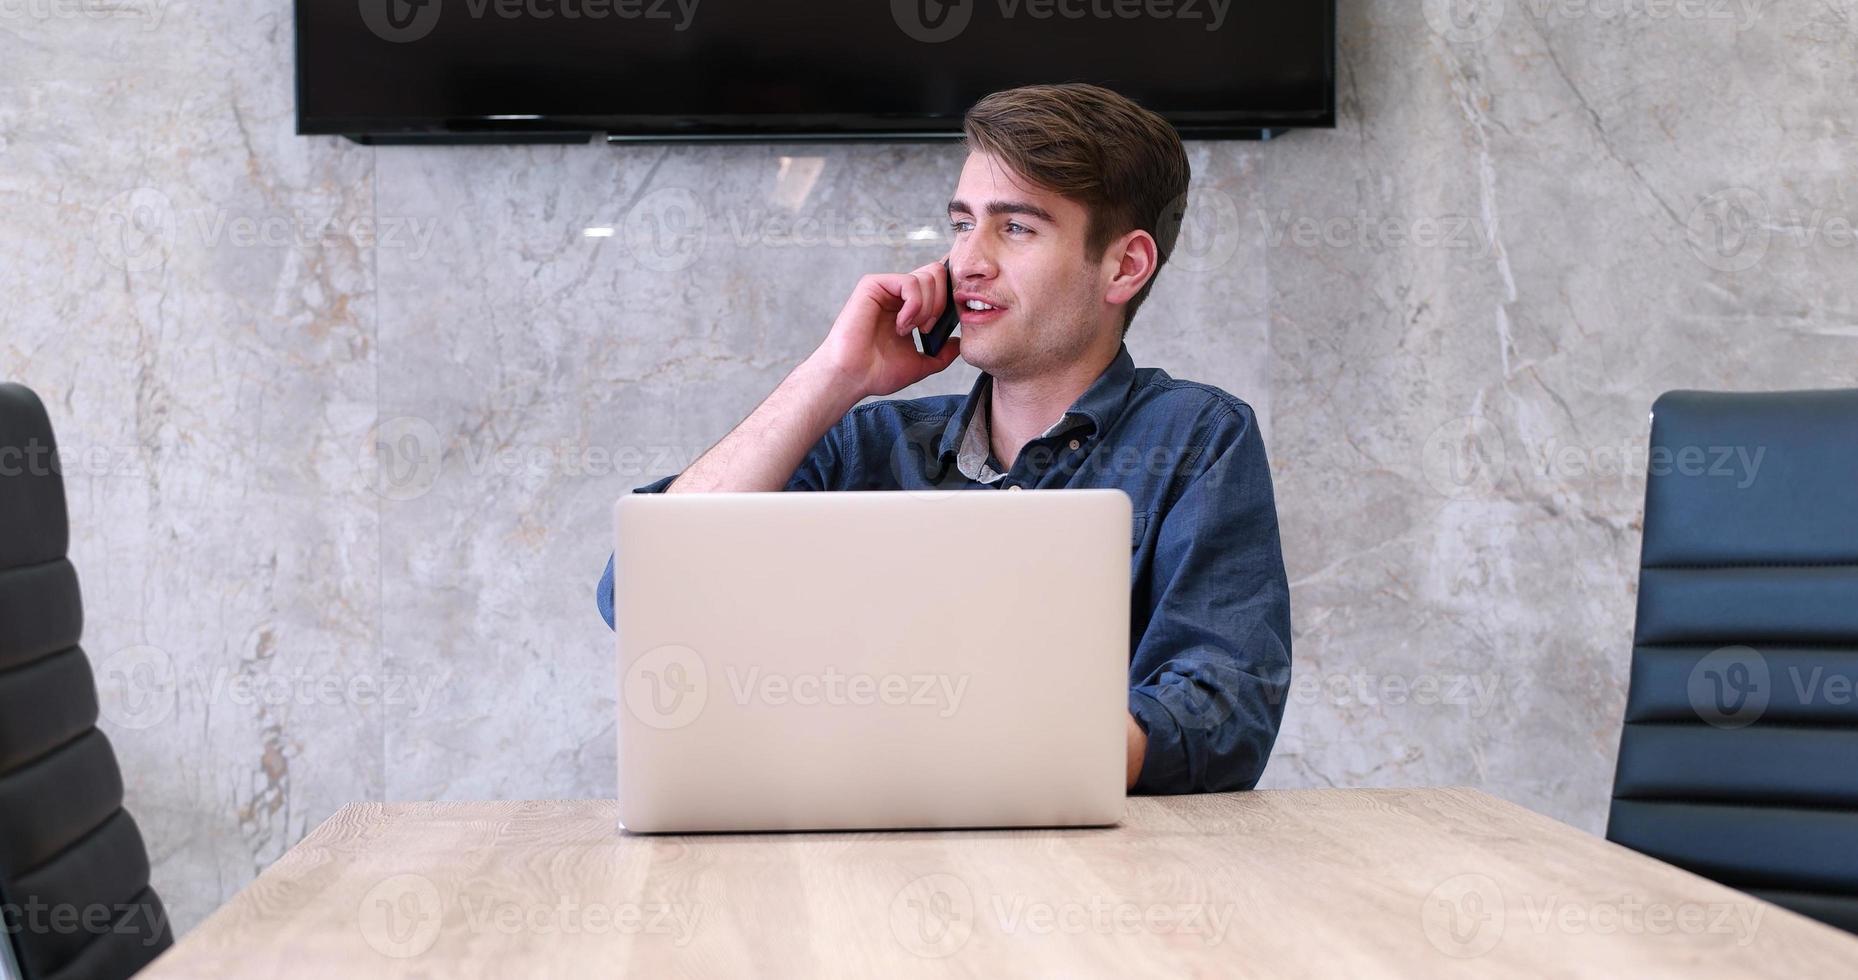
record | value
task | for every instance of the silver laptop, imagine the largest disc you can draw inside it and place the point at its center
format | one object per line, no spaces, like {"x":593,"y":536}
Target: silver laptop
{"x":895,"y":659}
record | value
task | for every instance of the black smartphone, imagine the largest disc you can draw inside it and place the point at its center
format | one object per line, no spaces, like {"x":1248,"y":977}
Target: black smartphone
{"x":936,"y":336}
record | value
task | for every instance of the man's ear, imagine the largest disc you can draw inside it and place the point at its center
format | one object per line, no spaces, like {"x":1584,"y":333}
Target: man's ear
{"x":1130,"y":262}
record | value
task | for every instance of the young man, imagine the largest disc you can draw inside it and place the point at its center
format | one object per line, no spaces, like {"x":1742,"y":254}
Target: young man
{"x":1068,"y":205}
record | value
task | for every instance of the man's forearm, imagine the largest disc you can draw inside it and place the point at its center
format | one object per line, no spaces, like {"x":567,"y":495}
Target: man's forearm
{"x":763,"y":451}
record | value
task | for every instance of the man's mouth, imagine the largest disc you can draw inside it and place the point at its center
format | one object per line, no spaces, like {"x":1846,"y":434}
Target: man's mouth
{"x":977,"y":310}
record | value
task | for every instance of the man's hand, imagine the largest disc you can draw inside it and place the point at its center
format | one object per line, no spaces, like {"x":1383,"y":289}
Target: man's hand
{"x":870,"y":342}
{"x":868,"y":352}
{"x":1138,"y":750}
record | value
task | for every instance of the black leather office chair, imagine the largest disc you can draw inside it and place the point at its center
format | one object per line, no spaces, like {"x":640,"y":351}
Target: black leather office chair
{"x":73,"y":869}
{"x":1739,"y":759}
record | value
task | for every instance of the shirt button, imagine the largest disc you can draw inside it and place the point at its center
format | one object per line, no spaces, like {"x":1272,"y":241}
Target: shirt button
{"x":1015,"y":487}
{"x":1075,"y":444}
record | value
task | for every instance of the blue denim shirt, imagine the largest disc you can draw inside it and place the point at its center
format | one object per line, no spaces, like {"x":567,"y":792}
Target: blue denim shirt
{"x":1209,"y":626}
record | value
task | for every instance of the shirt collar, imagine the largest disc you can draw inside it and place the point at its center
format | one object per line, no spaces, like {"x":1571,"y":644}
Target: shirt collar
{"x":975,"y":457}
{"x":1100,"y":404}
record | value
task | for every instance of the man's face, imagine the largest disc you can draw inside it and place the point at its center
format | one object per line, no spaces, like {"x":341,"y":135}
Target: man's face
{"x":1021,"y":248}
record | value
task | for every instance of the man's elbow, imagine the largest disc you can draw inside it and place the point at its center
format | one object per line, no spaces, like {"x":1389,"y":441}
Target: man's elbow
{"x":1235,"y":765}
{"x":1213,"y":733}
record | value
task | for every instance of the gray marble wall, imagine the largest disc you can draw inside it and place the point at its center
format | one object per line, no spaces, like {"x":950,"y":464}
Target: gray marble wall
{"x":342,"y":425}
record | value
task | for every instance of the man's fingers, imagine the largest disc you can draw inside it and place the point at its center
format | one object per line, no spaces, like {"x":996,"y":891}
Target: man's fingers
{"x":918,"y":296}
{"x":932,"y":291}
{"x":907,"y":311}
{"x":914,"y":300}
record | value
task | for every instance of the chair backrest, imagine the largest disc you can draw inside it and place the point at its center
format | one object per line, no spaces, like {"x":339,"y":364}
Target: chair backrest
{"x":73,"y":869}
{"x":1739,"y":758}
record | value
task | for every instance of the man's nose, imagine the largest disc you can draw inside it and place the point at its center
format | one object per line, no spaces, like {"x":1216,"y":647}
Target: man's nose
{"x":969,"y":261}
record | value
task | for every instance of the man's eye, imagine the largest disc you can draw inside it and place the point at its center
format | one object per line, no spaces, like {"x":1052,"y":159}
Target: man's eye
{"x":1015,"y":226}
{"x":958,"y":224}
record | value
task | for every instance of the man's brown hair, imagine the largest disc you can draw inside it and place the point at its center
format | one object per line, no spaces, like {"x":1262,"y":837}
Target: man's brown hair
{"x":1124,"y":163}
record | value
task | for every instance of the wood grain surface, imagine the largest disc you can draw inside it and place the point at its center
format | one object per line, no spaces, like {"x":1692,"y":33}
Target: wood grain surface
{"x":1275,"y":883}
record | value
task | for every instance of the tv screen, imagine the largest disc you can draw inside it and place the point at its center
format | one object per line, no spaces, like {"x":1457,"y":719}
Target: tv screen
{"x":518,"y":70}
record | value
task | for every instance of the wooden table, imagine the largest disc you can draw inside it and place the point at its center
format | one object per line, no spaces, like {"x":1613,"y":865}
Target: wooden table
{"x":1275,"y":883}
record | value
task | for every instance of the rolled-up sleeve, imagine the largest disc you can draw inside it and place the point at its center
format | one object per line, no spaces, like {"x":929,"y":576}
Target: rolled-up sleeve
{"x":822,"y":469}
{"x":1209,"y":674}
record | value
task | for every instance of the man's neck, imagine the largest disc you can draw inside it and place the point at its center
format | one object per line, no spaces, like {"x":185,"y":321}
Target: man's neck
{"x":1018,"y":412}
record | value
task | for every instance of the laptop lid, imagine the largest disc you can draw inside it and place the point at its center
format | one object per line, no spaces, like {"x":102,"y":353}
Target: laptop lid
{"x":841,"y":660}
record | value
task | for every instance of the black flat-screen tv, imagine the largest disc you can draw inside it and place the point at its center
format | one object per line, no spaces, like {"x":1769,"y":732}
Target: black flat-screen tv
{"x":459,"y":71}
